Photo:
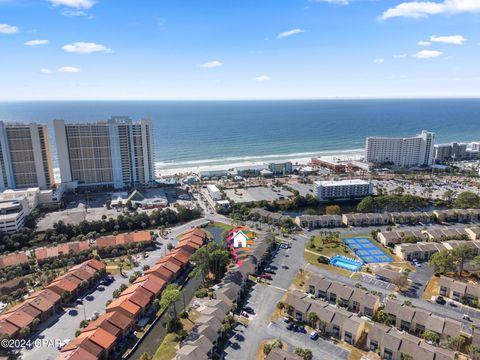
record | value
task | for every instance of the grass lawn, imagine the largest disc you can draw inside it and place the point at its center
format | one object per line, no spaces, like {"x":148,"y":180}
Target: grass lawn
{"x":329,"y":249}
{"x":223,"y":226}
{"x":432,"y":288}
{"x":167,"y":350}
{"x":312,"y":259}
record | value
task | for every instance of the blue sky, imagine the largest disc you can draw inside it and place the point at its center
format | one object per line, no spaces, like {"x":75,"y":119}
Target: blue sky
{"x":249,"y":49}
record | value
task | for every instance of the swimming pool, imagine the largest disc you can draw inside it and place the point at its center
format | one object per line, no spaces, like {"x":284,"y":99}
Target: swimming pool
{"x":366,"y":250}
{"x":346,"y":263}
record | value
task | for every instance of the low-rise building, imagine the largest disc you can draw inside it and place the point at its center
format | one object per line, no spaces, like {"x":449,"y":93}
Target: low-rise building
{"x":136,"y":237}
{"x":268,"y":216}
{"x":214,"y":192}
{"x":367,"y":219}
{"x":13,"y":259}
{"x":13,"y":214}
{"x":412,"y":217}
{"x":391,"y":276}
{"x":459,"y":290}
{"x":318,"y":221}
{"x":75,"y":247}
{"x":280,"y":168}
{"x":424,"y":250}
{"x":391,"y":238}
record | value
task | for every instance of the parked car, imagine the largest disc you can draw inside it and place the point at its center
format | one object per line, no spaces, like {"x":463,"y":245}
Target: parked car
{"x":79,"y":301}
{"x":244,"y":314}
{"x":295,"y":327}
{"x":290,"y":326}
{"x":440,"y":300}
{"x":452,"y":303}
{"x":266,"y":276}
{"x":314,"y":335}
{"x":466,"y":317}
{"x":249,"y":310}
{"x":286,"y":319}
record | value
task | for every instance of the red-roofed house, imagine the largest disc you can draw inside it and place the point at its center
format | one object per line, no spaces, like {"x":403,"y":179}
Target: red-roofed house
{"x":73,"y":247}
{"x":160,"y":271}
{"x":7,"y":328}
{"x":76,"y":354}
{"x":125,"y":307}
{"x":101,"y":338}
{"x":152,"y":284}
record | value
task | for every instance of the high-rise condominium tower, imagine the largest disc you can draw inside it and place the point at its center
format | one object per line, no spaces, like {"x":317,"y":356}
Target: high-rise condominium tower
{"x":117,"y":152}
{"x":25,"y":159}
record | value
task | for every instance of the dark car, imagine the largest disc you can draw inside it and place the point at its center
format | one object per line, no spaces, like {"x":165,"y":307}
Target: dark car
{"x":440,"y":300}
{"x":290,"y":326}
{"x":301,"y":329}
{"x":249,"y":310}
{"x":269,"y":271}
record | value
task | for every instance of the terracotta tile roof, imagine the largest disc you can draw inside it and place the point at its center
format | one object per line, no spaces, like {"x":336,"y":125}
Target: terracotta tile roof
{"x":19,"y":318}
{"x":125,"y":304}
{"x":48,"y":294}
{"x":100,"y":337}
{"x":76,"y":354}
{"x":13,"y":259}
{"x":119,"y":320}
{"x":160,"y":271}
{"x":171,"y":259}
{"x":41,"y":303}
{"x":172,"y":266}
{"x":126,"y":238}
{"x":188,"y":243}
{"x":85,"y":344}
{"x":198,"y":240}
{"x":139,"y":296}
{"x":65,"y":249}
{"x":59,"y":286}
{"x":7,"y":328}
{"x":94,"y":263}
{"x":181,"y":255}
{"x":151,"y":283}
{"x":81,"y":274}
{"x":195,"y":231}
{"x":102,"y":322}
{"x":69,"y":276}
{"x":26,"y":308}
{"x":187,"y":246}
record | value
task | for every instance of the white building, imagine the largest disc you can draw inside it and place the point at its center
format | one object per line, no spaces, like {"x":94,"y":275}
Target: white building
{"x":117,"y":152}
{"x":34,"y":196}
{"x":25,"y":159}
{"x":343,"y":189}
{"x":412,"y":151}
{"x":12,"y":215}
{"x":214,"y":192}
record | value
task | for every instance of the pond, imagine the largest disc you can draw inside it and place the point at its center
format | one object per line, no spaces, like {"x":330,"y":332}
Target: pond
{"x":216,"y":233}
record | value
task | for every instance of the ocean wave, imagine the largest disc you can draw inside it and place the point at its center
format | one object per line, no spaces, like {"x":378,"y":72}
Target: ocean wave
{"x":252,"y":158}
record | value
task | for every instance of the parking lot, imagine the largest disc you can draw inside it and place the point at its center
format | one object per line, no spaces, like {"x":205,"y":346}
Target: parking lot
{"x":303,"y":189}
{"x":258,"y":193}
{"x":378,"y":283}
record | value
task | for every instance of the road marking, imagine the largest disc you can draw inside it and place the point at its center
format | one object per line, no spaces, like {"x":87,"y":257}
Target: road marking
{"x":276,"y":287}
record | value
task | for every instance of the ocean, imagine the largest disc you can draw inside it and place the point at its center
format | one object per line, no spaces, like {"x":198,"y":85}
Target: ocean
{"x":214,"y":133}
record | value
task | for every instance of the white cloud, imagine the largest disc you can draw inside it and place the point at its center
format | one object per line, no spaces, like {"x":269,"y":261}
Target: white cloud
{"x":36,"y":42}
{"x":8,"y":29}
{"x":427,"y":54}
{"x":46,"y":71}
{"x":451,"y":39}
{"x":336,"y":2}
{"x":400,"y":56}
{"x":423,"y":9}
{"x":424,"y":43}
{"x":71,"y":13}
{"x":211,"y":64}
{"x":263,"y":78}
{"x":85,"y":48}
{"x":78,"y":4}
{"x":379,"y":61}
{"x":69,"y":69}
{"x":290,"y":33}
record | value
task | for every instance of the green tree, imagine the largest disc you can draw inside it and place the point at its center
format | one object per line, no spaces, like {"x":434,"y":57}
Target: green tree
{"x":332,"y":210}
{"x":461,"y":254}
{"x":306,"y":354}
{"x":146,"y":356}
{"x":467,"y":200}
{"x":430,"y":336}
{"x":442,"y":262}
{"x":169,"y":297}
{"x":313,"y":318}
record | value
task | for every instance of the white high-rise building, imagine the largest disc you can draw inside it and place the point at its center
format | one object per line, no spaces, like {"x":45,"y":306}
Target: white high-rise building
{"x":412,"y":151}
{"x":25,"y":159}
{"x":117,"y":152}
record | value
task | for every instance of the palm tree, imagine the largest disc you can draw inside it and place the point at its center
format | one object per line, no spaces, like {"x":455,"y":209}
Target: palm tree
{"x":313,"y":318}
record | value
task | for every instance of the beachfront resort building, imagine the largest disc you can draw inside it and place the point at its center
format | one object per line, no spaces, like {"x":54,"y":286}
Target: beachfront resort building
{"x":409,"y":151}
{"x":280,"y":168}
{"x":117,"y":152}
{"x":214,"y":192}
{"x":25,"y":159}
{"x":449,"y":152}
{"x":343,"y":189}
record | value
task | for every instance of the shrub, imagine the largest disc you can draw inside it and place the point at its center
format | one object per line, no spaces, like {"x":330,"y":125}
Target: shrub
{"x":201,"y":293}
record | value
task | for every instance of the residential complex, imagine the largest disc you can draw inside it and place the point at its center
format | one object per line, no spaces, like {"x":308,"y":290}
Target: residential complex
{"x":281,"y":168}
{"x":25,"y":159}
{"x":447,"y":152}
{"x":409,"y":151}
{"x":117,"y":152}
{"x":343,"y":189}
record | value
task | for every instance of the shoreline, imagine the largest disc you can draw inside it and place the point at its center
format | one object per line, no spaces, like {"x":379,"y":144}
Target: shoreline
{"x":297,"y":159}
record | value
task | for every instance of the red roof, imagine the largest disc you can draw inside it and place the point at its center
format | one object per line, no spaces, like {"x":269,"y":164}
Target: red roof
{"x":41,"y":303}
{"x":160,"y":271}
{"x":119,"y":320}
{"x":125,"y":304}
{"x":7,"y":328}
{"x":19,"y":318}
{"x":192,"y":244}
{"x":13,"y":259}
{"x":65,"y":249}
{"x":126,"y":238}
{"x":139,"y":296}
{"x":26,"y":308}
{"x":59,"y":286}
{"x":187,"y":246}
{"x":172,"y":266}
{"x":195,"y":231}
{"x":76,"y":354}
{"x":48,"y":294}
{"x":84,"y":343}
{"x":100,"y":337}
{"x":94,"y":263}
{"x":151,"y":283}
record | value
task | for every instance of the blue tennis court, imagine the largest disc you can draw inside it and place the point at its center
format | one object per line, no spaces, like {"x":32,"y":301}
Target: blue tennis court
{"x":366,"y":250}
